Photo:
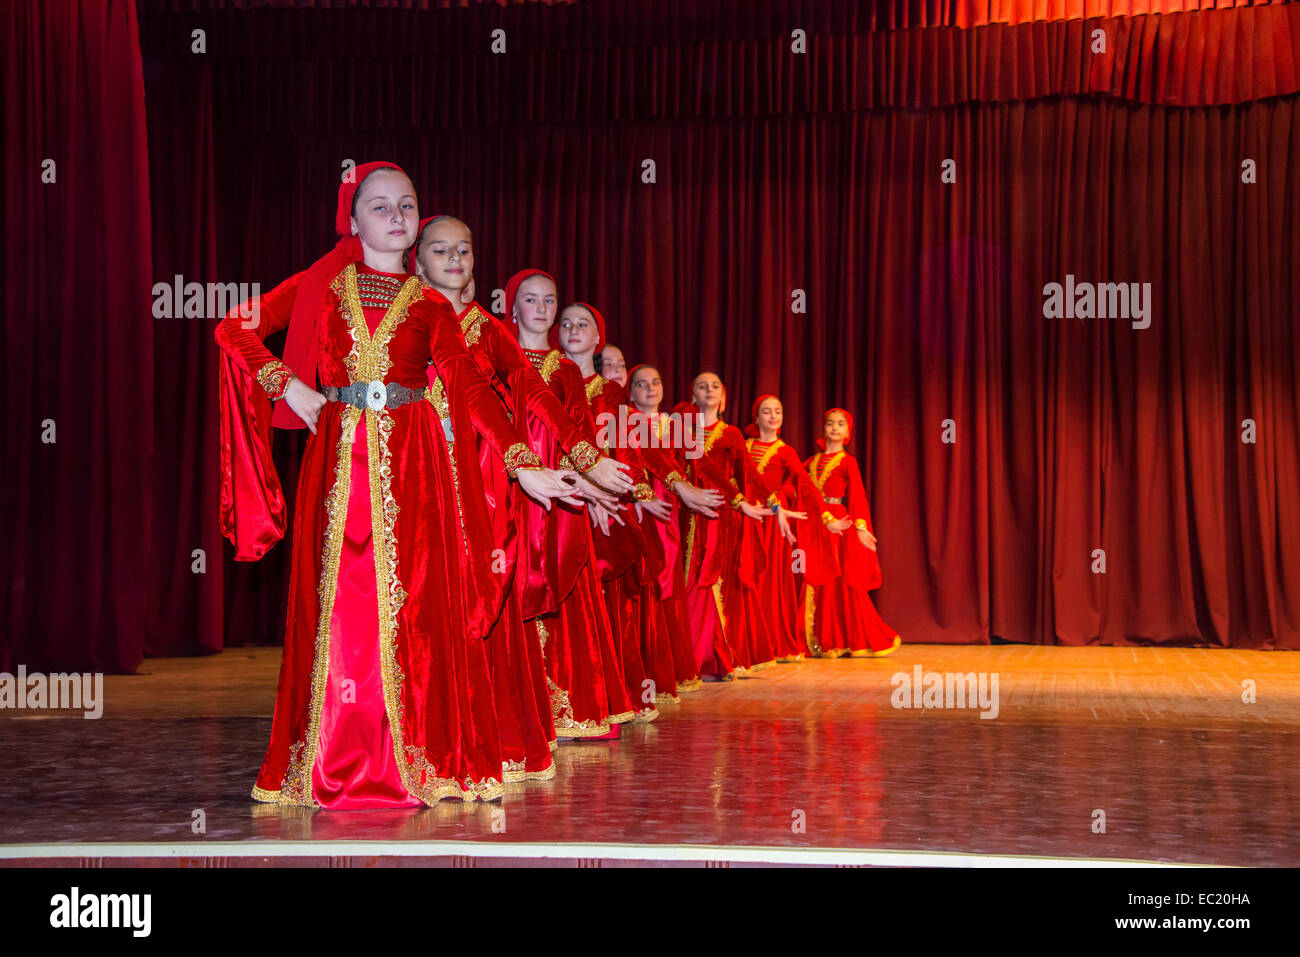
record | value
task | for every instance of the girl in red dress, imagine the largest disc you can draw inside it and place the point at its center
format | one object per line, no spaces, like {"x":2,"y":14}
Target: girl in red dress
{"x":662,"y":450}
{"x":782,"y":475}
{"x":562,"y":596}
{"x":722,"y":557}
{"x":383,"y":697}
{"x":443,"y":257}
{"x":628,"y":567}
{"x":839,"y":617}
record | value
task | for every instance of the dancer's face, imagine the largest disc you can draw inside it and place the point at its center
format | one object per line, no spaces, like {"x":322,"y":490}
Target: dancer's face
{"x":578,"y":333}
{"x":386,"y":215}
{"x":770,"y":415}
{"x":613,"y":366}
{"x":707,"y":391}
{"x":535,"y":305}
{"x":836,"y":427}
{"x":646,"y":388}
{"x":446,"y":256}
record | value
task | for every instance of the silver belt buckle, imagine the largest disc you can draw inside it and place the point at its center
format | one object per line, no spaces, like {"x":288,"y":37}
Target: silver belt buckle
{"x":376,"y":396}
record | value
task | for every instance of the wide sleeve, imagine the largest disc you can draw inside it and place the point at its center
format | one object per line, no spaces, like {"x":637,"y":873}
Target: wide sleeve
{"x":820,"y":546}
{"x":746,"y":483}
{"x":457,"y":369}
{"x":585,"y":454}
{"x":532,"y":394}
{"x":861,"y":564}
{"x":243,"y":331}
{"x":253,"y":515}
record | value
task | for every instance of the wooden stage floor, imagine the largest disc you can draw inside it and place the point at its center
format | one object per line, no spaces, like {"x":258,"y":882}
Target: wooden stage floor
{"x":1159,"y":741}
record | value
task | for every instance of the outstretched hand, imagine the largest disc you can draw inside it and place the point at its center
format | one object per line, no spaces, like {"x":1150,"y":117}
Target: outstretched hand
{"x":545,"y":485}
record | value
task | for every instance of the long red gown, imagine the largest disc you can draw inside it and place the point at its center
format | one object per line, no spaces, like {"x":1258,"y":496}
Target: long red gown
{"x":523,"y":699}
{"x":666,"y":466}
{"x":629,"y":565}
{"x":839,"y":617}
{"x":384,"y":698}
{"x":563,"y":599}
{"x":723,"y":560}
{"x":786,"y":483}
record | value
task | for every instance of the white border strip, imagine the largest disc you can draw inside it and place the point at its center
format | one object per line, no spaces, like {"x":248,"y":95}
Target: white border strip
{"x":617,"y":852}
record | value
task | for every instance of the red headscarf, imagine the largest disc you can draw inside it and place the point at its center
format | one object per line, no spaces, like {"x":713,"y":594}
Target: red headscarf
{"x":415,"y":246}
{"x":302,"y":343}
{"x":512,"y":288}
{"x":751,"y":430}
{"x":554,"y":337}
{"x":821,"y":443}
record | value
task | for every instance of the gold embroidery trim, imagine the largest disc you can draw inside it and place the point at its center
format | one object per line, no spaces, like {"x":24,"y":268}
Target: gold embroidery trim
{"x":675,"y":476}
{"x":809,"y":619}
{"x":595,"y":387}
{"x":274,"y":378}
{"x":472,"y":324}
{"x":642,"y":492}
{"x":368,"y":359}
{"x":766,"y":457}
{"x":550,"y":364}
{"x":520,"y":456}
{"x":714,"y":434}
{"x":584,"y":456}
{"x":860,"y":525}
{"x":437,"y":396}
{"x":690,"y":544}
{"x":820,"y":479}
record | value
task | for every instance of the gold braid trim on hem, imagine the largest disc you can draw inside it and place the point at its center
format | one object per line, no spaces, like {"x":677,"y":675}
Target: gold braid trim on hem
{"x":690,"y":684}
{"x":665,"y":697}
{"x":626,"y":717}
{"x":519,"y":776}
{"x":562,"y":713}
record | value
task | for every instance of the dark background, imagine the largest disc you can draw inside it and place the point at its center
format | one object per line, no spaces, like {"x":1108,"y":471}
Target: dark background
{"x":775,"y":171}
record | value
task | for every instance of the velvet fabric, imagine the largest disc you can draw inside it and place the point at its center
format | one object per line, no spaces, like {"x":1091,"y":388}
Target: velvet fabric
{"x":781,"y":474}
{"x":434,"y":587}
{"x":839,"y":615}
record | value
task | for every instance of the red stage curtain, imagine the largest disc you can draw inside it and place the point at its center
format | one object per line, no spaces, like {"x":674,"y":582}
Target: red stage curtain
{"x":76,"y":574}
{"x":775,"y":173}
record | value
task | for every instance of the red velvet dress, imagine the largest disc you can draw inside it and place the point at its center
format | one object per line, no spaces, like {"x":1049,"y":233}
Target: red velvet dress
{"x":522,"y":696}
{"x":723,"y":560}
{"x":839,"y":617}
{"x":784,"y":482}
{"x":629,"y":566}
{"x":384,"y":698}
{"x":563,"y":599}
{"x":665,"y":467}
